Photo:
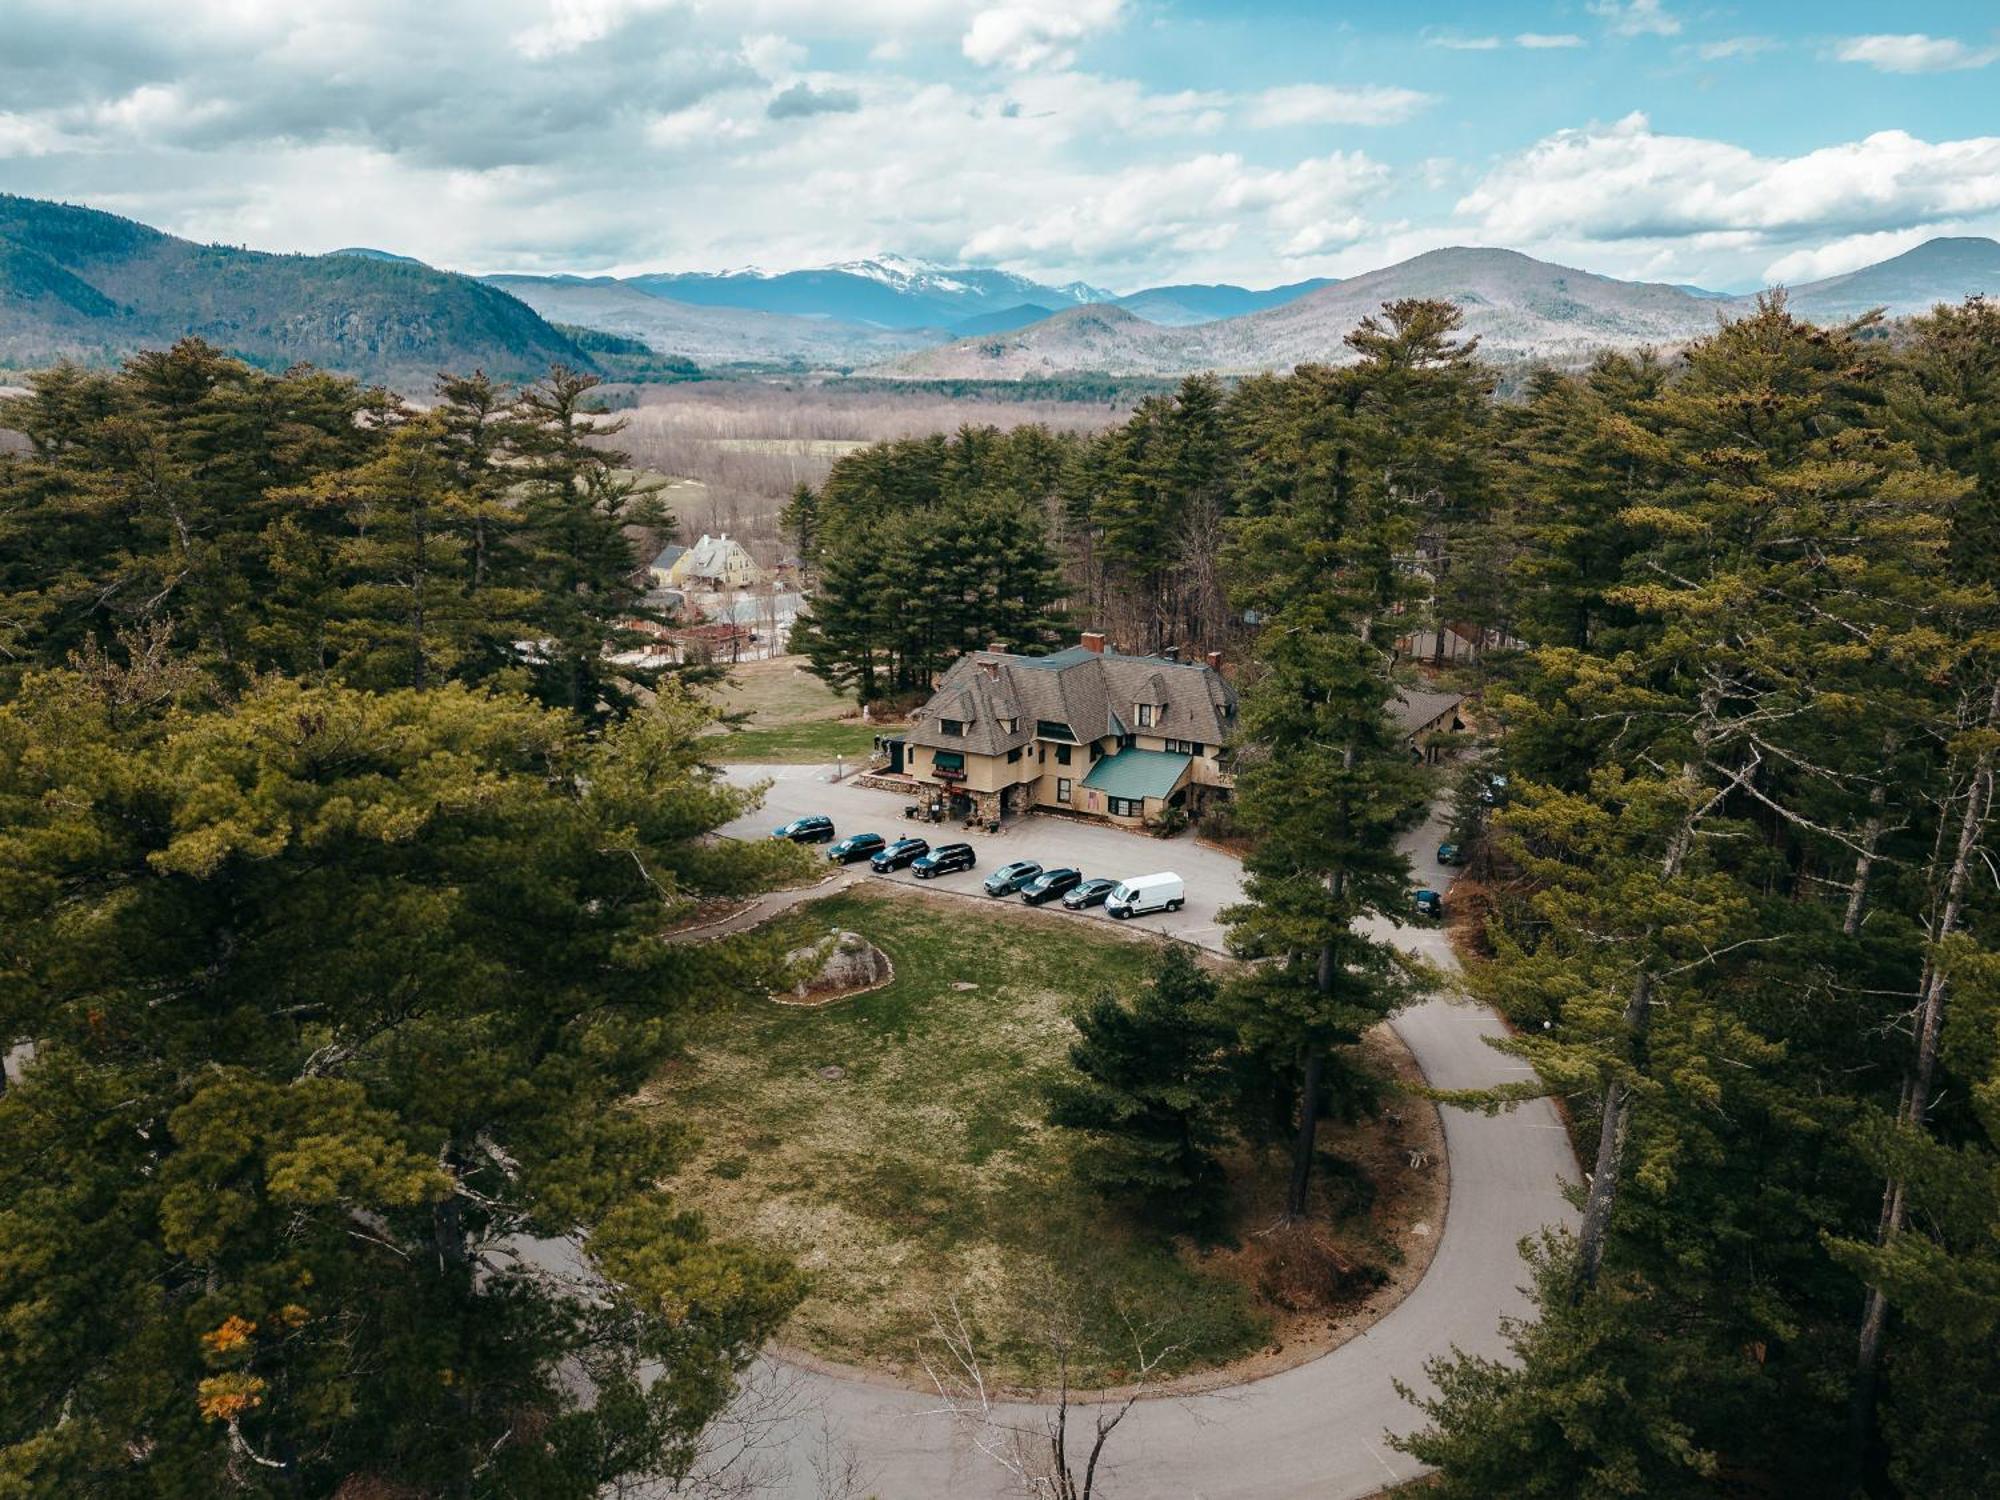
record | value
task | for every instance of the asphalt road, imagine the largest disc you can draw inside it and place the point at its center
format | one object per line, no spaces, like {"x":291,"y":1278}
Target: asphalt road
{"x":1314,"y":1431}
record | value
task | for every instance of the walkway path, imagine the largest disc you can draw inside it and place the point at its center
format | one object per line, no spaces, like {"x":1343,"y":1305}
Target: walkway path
{"x":1313,"y":1431}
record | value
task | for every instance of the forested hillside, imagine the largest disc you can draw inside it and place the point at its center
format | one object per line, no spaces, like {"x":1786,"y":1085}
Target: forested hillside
{"x":83,"y":285}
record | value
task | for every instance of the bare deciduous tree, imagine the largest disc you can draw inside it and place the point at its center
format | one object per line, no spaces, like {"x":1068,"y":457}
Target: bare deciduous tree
{"x":1040,"y":1445}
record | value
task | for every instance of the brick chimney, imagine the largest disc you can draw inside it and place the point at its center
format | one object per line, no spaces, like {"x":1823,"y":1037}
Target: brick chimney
{"x":1215,"y":661}
{"x":998,"y":648}
{"x":990,"y":667}
{"x":1092,"y":640}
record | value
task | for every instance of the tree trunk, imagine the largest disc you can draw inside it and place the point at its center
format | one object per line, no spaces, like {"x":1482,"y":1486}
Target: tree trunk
{"x":1915,"y":1109}
{"x":1308,"y":1136}
{"x":1871,"y":834}
{"x":1616,"y":1121}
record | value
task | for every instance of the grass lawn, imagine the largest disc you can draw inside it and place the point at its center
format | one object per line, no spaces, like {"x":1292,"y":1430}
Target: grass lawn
{"x":793,"y":717}
{"x":922,"y":1169}
{"x":795,"y":744}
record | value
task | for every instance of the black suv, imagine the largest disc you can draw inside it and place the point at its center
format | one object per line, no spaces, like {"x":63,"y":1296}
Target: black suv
{"x":815,"y":829}
{"x":1050,"y":884}
{"x":856,"y":846}
{"x":899,"y":854}
{"x":943,"y":860}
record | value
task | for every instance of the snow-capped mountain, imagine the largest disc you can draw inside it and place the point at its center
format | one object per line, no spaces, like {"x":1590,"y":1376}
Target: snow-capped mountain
{"x":886,"y":291}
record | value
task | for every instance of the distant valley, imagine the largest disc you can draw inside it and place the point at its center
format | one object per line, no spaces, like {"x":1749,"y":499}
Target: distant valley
{"x":79,"y":284}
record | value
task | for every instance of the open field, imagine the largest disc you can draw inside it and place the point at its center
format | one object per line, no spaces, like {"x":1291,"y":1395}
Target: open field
{"x":895,"y":1144}
{"x":751,"y":442}
{"x":793,"y":717}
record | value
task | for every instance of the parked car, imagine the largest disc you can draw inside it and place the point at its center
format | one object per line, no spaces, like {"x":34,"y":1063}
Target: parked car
{"x":1009,"y":878}
{"x":813,"y":829}
{"x":1147,"y":893}
{"x":1430,"y":904}
{"x":1091,"y":893}
{"x":856,"y":846}
{"x":943,"y":860}
{"x":1450,"y":854}
{"x":902,"y":852}
{"x":1494,"y":792}
{"x":1050,"y":884}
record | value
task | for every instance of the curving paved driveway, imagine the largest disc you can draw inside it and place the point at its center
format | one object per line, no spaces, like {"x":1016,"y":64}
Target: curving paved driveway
{"x":1314,"y":1431}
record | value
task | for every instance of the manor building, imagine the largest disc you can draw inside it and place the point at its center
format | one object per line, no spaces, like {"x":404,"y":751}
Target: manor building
{"x":1084,"y":730}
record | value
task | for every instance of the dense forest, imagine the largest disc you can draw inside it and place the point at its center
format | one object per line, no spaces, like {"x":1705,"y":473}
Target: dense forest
{"x":335,"y":854}
{"x":1739,"y":900}
{"x":336,"y":863}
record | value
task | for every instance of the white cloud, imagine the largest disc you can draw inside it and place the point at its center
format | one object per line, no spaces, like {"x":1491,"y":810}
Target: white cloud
{"x":1625,"y":182}
{"x":1458,"y":42}
{"x":1083,"y":105}
{"x":1197,"y":206}
{"x":1326,"y":104}
{"x":570,"y":24}
{"x":1635,"y":17}
{"x":1023,"y":34}
{"x":696,"y":126}
{"x":773,"y":56}
{"x":1849,"y":253}
{"x":1735,"y":47}
{"x":1544,"y":40}
{"x":1914,"y":53}
{"x":28,"y":135}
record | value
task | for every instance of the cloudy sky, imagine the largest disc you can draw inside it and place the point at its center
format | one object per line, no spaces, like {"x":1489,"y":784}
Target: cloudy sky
{"x":1123,"y":141}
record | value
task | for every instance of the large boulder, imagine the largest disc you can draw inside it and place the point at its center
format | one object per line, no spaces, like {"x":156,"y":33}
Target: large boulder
{"x":838,"y":964}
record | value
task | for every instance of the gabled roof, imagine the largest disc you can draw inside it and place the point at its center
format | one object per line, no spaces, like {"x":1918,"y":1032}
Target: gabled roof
{"x":1093,"y":694}
{"x":1413,"y":709}
{"x":668,"y":557}
{"x":711,"y":556}
{"x":1134,"y":773}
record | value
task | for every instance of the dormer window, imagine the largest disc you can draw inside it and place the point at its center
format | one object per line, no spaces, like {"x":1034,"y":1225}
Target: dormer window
{"x":1145,"y":715}
{"x":952,"y":727}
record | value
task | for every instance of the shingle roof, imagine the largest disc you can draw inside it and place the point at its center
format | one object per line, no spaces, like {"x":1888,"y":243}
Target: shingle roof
{"x":1413,"y":709}
{"x":668,"y":557}
{"x":712,"y":556}
{"x":1092,"y":693}
{"x":1136,"y":773}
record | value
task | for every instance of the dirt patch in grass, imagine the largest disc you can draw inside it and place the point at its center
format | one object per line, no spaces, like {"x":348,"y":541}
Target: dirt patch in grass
{"x":895,"y":1145}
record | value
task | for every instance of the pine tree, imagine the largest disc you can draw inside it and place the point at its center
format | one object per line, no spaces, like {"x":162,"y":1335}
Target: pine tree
{"x":334,"y":993}
{"x":1150,"y":1094}
{"x":577,"y":508}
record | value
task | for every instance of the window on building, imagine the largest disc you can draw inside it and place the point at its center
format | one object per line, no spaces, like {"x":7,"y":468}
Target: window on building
{"x":1126,"y":807}
{"x":1145,"y":716}
{"x":952,"y":727}
{"x":1053,"y":729}
{"x":1183,"y":747}
{"x":1062,"y":755}
{"x":1014,"y":755}
{"x":1062,"y":789}
{"x":1096,"y":750}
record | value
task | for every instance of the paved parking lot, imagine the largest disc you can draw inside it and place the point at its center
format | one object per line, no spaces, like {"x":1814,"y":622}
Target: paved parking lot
{"x":1214,"y":879}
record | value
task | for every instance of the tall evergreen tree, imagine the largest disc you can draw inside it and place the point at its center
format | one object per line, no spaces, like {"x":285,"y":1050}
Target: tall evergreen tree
{"x":335,"y":995}
{"x":1149,"y":1096}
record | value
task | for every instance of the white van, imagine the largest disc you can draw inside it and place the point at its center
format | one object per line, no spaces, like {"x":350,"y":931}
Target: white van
{"x":1143,"y":893}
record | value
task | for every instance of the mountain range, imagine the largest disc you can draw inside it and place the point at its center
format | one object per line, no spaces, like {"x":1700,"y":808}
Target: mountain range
{"x":1521,"y":309}
{"x":81,"y":284}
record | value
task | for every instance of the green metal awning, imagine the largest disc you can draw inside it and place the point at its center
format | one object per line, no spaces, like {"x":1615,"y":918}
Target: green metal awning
{"x":1133,"y":774}
{"x":949,"y":760}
